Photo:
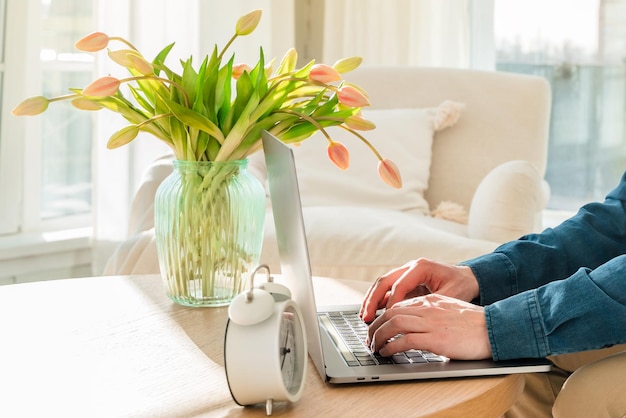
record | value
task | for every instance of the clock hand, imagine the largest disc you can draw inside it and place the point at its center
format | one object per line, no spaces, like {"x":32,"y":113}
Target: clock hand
{"x":285,"y":350}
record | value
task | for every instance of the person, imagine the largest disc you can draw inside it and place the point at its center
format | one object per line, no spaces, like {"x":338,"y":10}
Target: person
{"x":559,"y":294}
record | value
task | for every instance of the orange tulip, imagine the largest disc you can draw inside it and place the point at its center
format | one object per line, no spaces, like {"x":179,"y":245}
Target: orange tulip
{"x":93,"y":42}
{"x":352,"y":97}
{"x":238,"y":70}
{"x":102,"y":87}
{"x":339,"y":155}
{"x":324,"y":74}
{"x":32,"y":106}
{"x":388,"y":171}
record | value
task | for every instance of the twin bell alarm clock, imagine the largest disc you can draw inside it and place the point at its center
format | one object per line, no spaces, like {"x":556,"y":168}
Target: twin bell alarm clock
{"x":265,"y":351}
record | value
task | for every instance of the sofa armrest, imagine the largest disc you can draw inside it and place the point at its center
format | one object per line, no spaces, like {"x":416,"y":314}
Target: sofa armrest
{"x":508,"y":203}
{"x":142,"y":207}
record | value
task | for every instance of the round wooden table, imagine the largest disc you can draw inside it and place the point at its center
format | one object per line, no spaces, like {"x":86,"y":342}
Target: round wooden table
{"x":118,"y":347}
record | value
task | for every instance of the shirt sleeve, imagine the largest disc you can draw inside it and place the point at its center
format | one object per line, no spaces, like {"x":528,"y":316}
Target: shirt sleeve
{"x":586,"y":311}
{"x":595,"y":235}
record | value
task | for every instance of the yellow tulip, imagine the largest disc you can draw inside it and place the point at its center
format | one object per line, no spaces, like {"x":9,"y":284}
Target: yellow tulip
{"x":346,"y":65}
{"x":32,"y":106}
{"x":248,"y":23}
{"x":123,"y":136}
{"x":85,"y":104}
{"x":289,"y":61}
{"x":140,"y":64}
{"x":359,"y":123}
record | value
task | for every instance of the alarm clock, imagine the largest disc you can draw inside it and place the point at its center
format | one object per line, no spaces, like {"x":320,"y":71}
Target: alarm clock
{"x":265,"y":351}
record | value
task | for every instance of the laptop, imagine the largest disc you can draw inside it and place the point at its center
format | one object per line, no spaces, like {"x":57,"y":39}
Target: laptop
{"x":341,"y":359}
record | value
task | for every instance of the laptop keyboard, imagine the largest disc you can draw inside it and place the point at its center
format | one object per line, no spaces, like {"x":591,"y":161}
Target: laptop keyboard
{"x":349,"y":334}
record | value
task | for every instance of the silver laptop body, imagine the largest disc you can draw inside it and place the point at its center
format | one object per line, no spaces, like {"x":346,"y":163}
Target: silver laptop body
{"x":296,"y":271}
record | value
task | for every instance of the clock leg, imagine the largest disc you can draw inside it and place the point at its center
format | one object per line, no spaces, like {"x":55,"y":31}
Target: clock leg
{"x":268,"y":406}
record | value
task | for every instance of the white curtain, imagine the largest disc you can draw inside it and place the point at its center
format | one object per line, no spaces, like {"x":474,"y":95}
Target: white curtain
{"x":431,"y":33}
{"x":389,"y":32}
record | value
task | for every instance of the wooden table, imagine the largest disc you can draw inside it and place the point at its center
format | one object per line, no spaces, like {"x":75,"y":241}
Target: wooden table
{"x":116,"y":346}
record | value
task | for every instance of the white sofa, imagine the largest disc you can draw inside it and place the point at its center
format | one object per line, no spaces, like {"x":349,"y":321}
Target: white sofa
{"x":467,"y":188}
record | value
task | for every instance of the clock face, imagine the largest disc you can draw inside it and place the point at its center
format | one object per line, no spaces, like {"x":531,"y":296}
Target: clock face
{"x":291,"y":350}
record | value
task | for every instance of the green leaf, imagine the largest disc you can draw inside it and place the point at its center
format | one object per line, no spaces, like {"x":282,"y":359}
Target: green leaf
{"x":244,"y":92}
{"x":223,"y":89}
{"x":159,"y":61}
{"x":236,"y":135}
{"x":195,"y":120}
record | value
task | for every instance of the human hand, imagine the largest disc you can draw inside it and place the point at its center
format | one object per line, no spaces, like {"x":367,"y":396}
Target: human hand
{"x":437,"y":323}
{"x":416,"y":278}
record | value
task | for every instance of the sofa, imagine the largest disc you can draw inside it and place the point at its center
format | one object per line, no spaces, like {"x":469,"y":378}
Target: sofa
{"x":472,"y":150}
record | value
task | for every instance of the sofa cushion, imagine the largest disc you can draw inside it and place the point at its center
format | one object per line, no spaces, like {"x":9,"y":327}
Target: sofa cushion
{"x":506,"y":203}
{"x":362,"y":243}
{"x":403,"y":135}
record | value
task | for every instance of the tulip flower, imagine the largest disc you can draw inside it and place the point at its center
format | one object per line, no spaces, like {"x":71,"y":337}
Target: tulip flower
{"x":346,"y":65}
{"x":339,"y":155}
{"x":324,"y":74}
{"x":238,"y":70}
{"x":248,"y":23}
{"x":102,"y":87}
{"x":93,"y":42}
{"x":289,"y":61}
{"x":121,"y":57}
{"x":388,"y":171}
{"x":32,"y":106}
{"x":123,"y":136}
{"x":359,"y":123}
{"x":352,"y":97}
{"x":140,"y":64}
{"x":85,"y":104}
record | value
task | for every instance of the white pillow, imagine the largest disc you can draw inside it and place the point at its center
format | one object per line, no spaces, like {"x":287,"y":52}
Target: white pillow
{"x":507,"y":203}
{"x":402,"y":135}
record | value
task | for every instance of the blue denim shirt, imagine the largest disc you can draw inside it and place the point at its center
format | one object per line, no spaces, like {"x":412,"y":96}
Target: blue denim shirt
{"x":560,"y":291}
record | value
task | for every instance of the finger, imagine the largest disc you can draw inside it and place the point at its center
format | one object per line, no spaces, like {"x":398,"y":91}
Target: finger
{"x":389,"y":326}
{"x":377,"y":323}
{"x":410,"y":281}
{"x":376,"y":298}
{"x":403,"y":343}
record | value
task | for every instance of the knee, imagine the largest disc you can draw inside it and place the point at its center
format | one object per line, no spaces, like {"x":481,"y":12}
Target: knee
{"x":596,"y":389}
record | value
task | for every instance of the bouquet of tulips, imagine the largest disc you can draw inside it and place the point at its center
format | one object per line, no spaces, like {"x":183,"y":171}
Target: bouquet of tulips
{"x":217,"y":111}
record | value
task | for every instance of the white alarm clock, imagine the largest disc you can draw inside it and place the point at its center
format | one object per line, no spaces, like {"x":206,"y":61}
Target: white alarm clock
{"x":265,"y":352}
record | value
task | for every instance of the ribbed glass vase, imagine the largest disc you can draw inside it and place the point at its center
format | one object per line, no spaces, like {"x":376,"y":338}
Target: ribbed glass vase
{"x":208,"y":219}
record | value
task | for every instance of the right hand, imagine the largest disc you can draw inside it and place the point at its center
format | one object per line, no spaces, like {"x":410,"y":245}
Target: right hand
{"x":415,"y":278}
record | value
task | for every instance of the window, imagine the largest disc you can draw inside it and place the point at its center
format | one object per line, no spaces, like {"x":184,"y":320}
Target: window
{"x":579,"y":47}
{"x":45,"y":161}
{"x":66,"y":133}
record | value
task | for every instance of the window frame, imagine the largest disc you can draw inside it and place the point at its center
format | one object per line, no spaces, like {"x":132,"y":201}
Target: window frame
{"x":30,"y":248}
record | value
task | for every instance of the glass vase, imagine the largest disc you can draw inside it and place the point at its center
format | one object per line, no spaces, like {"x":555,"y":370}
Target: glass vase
{"x":208,"y":219}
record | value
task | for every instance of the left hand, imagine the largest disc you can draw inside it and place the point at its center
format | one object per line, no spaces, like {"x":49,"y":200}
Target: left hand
{"x":437,"y":323}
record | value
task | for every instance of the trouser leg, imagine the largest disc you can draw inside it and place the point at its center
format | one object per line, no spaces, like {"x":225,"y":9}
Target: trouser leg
{"x":542,"y":389}
{"x":597,"y":389}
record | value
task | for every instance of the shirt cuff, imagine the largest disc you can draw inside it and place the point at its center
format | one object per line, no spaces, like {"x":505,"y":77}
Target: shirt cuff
{"x":514,"y":328}
{"x":495,"y":275}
